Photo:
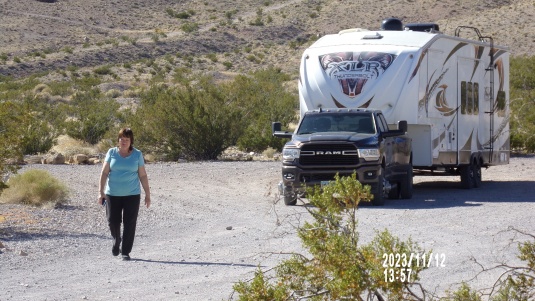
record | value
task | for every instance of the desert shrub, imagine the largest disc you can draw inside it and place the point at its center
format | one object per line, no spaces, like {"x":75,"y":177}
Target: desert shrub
{"x":269,"y":152}
{"x":69,"y":146}
{"x":68,"y":49}
{"x":113,"y":93}
{"x":195,"y":121}
{"x":11,"y":120}
{"x":258,"y":20}
{"x":41,"y":88}
{"x":90,"y":116}
{"x":38,"y":136}
{"x":266,"y":99}
{"x":103,"y":70}
{"x":332,"y":241}
{"x":35,"y":187}
{"x":199,"y":119}
{"x":228,"y":65}
{"x":180,"y":15}
{"x":463,"y":293}
{"x":86,"y":82}
{"x":522,"y":103}
{"x":189,"y":27}
{"x":62,"y":88}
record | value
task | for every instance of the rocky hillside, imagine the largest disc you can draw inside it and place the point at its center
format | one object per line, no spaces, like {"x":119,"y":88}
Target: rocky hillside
{"x":233,"y":36}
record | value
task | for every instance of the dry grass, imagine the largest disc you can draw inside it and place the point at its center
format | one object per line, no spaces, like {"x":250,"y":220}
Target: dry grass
{"x":68,"y":146}
{"x":35,"y":187}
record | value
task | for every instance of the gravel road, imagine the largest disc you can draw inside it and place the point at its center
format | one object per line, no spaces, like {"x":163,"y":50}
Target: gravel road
{"x":213,"y":223}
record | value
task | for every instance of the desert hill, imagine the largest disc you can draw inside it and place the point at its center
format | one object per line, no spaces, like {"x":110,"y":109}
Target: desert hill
{"x":235,"y":36}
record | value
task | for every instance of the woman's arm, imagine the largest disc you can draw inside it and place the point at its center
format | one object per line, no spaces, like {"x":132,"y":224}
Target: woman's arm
{"x":102,"y":183}
{"x":145,"y":183}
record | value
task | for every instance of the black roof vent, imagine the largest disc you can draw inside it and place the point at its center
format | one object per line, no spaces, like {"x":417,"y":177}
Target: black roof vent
{"x":428,"y":27}
{"x":392,"y":24}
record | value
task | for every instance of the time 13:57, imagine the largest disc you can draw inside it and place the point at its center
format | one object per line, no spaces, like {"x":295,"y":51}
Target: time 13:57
{"x":398,"y":274}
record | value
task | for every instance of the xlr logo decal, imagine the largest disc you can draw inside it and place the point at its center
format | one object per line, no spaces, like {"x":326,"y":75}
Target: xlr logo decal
{"x":353,"y":70}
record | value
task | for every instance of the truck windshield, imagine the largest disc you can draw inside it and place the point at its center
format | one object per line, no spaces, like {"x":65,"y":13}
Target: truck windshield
{"x":339,"y":122}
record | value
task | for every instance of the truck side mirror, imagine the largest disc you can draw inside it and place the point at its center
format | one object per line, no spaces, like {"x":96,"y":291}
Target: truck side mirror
{"x":276,"y":127}
{"x":276,"y":130}
{"x":402,"y":126}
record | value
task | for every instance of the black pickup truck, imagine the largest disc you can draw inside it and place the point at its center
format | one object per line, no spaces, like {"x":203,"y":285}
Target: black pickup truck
{"x":343,"y":141}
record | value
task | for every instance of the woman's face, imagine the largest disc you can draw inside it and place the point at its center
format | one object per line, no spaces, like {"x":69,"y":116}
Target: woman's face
{"x":124,"y":142}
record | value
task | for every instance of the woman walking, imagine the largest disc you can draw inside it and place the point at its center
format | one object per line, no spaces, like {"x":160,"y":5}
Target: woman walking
{"x":119,"y":188}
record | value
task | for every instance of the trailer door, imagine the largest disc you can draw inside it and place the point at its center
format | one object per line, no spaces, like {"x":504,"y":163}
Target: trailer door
{"x":470,"y":82}
{"x":442,"y":106}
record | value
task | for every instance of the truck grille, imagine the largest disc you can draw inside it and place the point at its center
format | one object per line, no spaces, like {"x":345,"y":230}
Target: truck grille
{"x":328,"y":154}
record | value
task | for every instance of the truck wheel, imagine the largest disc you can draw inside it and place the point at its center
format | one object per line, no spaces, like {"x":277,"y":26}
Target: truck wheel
{"x":379,"y":194}
{"x":467,"y":176}
{"x":406,"y":185}
{"x":290,"y":200}
{"x":288,"y":193}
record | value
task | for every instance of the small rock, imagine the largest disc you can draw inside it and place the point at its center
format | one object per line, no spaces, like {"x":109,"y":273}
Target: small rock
{"x":229,"y":228}
{"x":22,"y":253}
{"x":1,"y":245}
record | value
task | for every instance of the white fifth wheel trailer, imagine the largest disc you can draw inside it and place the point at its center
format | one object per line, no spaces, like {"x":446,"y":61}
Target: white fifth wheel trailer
{"x":452,"y":91}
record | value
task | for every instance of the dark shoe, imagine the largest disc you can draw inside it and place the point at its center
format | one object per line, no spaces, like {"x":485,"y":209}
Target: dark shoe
{"x":115,"y":250}
{"x":126,"y":257}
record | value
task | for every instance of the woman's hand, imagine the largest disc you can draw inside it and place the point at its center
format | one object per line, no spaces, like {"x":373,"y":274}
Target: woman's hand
{"x":101,"y":199}
{"x":147,"y":201}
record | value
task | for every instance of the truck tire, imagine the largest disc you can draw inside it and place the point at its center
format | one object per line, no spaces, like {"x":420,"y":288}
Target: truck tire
{"x":405,"y":189}
{"x":288,"y":194}
{"x":379,"y":193}
{"x":290,"y":200}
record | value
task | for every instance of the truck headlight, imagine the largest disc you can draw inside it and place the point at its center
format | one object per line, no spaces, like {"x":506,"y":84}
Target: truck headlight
{"x":369,"y":154}
{"x":290,"y":153}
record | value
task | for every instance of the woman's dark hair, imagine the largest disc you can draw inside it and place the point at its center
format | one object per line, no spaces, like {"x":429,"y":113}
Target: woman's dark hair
{"x":127,"y":133}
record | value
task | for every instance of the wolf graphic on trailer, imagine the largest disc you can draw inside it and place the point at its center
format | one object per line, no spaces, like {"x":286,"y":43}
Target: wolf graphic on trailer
{"x":452,"y":91}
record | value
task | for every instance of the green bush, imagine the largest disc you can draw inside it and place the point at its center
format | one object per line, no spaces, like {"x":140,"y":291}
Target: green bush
{"x":194,"y":121}
{"x":12,"y":122}
{"x":35,"y":187}
{"x":332,"y":241}
{"x":103,"y":70}
{"x":90,"y":116}
{"x":265,"y":99}
{"x":39,"y":136}
{"x":200,"y":119}
{"x":522,"y":97}
{"x":189,"y":27}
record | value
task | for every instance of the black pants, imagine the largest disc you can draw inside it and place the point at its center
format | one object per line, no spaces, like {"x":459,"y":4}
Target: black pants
{"x":125,"y":209}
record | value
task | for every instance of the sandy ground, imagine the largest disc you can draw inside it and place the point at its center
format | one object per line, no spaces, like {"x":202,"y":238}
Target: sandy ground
{"x":213,"y":223}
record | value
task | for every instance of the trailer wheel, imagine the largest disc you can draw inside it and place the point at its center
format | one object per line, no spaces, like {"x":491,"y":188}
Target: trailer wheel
{"x":394,"y":191}
{"x":379,"y":194}
{"x":467,"y":176}
{"x":406,"y":185}
{"x":476,"y":170}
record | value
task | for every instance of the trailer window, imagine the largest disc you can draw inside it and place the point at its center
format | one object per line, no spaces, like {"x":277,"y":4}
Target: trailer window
{"x":500,"y":103}
{"x":469,"y":98}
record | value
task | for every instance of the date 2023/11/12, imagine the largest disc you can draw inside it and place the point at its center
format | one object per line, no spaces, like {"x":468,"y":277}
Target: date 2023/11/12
{"x":398,"y":267}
